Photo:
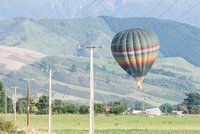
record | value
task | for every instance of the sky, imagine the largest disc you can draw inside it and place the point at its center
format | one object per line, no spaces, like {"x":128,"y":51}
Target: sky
{"x":185,"y":11}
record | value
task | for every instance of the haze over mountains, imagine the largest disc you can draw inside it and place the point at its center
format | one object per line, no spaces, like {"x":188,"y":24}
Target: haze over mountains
{"x":36,"y":34}
{"x":63,"y":9}
{"x":62,"y":37}
{"x":60,"y":43}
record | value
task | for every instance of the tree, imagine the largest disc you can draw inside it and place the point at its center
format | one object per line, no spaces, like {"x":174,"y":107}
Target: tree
{"x":34,"y":109}
{"x":99,"y":108}
{"x":2,"y":98}
{"x":42,"y":104}
{"x":182,"y":107}
{"x":73,"y":68}
{"x":138,"y":105}
{"x":166,"y":108}
{"x":83,"y":109}
{"x":71,"y":108}
{"x":58,"y":107}
{"x":126,"y":103}
{"x":117,"y":108}
{"x":9,"y":105}
{"x":20,"y":106}
{"x":192,"y":102}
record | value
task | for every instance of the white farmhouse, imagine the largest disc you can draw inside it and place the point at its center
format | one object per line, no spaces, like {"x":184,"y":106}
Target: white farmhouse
{"x":154,"y":111}
{"x":136,"y":112}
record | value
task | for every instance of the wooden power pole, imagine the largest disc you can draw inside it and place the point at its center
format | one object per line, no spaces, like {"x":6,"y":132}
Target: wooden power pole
{"x":28,"y":102}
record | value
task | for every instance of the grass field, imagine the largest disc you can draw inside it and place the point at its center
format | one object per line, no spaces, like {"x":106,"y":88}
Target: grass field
{"x":113,"y":124}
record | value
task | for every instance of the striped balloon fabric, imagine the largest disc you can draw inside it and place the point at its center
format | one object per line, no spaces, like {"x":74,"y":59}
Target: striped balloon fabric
{"x":135,"y":50}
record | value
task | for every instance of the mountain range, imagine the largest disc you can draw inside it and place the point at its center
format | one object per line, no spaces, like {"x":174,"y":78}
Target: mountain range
{"x":68,"y":9}
{"x":29,"y":45}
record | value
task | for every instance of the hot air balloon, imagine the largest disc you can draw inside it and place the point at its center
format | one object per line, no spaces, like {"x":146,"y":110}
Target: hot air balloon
{"x":135,"y":50}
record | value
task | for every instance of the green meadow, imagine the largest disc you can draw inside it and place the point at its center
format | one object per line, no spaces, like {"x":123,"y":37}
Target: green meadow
{"x":112,"y":124}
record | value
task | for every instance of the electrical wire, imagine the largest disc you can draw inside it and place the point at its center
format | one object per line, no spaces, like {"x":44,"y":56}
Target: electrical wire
{"x":190,"y":9}
{"x":163,"y":13}
{"x":154,"y":8}
{"x":168,"y":9}
{"x":95,"y":5}
{"x":186,"y":12}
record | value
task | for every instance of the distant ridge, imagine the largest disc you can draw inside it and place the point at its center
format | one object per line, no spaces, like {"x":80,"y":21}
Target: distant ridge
{"x":62,"y":37}
{"x":27,"y":46}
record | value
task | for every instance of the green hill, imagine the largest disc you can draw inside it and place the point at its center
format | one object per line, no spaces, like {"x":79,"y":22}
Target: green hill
{"x":167,"y":82}
{"x":176,"y":39}
{"x":53,"y":37}
{"x":26,"y":33}
{"x":173,"y":75}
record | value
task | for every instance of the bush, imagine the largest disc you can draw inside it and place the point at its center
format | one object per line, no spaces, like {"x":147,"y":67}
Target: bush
{"x":73,"y":68}
{"x":99,"y":108}
{"x":192,"y":102}
{"x":42,"y":105}
{"x":7,"y":127}
{"x":182,"y":107}
{"x":2,"y":98}
{"x":83,"y":109}
{"x":34,"y":109}
{"x":117,"y":108}
{"x":58,"y":110}
{"x":71,"y":108}
{"x":166,"y":108}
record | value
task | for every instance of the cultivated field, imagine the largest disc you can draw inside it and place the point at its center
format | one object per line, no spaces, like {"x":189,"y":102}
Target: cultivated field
{"x":113,"y":124}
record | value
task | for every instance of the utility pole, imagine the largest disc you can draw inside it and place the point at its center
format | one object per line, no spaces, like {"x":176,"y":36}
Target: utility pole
{"x":91,"y":121}
{"x":50,"y":100}
{"x":28,"y":103}
{"x":14,"y":104}
{"x":15,"y":108}
{"x":5,"y":102}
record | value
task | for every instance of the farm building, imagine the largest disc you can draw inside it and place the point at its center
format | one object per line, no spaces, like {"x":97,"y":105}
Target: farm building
{"x":136,"y":112}
{"x":179,"y":113}
{"x":153,"y":111}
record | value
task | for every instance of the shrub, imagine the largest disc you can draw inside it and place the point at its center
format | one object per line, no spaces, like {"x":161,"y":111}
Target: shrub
{"x":83,"y":109}
{"x":7,"y":127}
{"x":117,"y":108}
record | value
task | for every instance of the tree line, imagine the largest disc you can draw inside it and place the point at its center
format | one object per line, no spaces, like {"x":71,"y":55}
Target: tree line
{"x":190,"y":105}
{"x":40,"y":105}
{"x":5,"y":101}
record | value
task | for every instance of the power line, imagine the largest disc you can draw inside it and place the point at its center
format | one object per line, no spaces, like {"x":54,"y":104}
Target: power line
{"x":163,"y":13}
{"x":154,"y":8}
{"x":190,"y":9}
{"x":186,"y":12}
{"x":95,"y":5}
{"x":168,"y":9}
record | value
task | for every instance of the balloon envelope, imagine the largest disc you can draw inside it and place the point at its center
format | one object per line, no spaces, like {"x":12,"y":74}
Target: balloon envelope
{"x":135,"y":50}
